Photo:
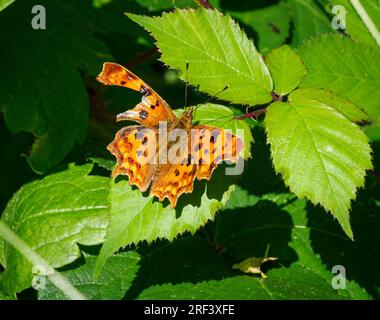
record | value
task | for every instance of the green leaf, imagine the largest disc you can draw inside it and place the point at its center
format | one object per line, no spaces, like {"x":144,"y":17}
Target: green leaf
{"x":4,"y":296}
{"x":309,"y":20}
{"x":286,"y":68}
{"x":217,"y":50}
{"x":321,"y":154}
{"x":43,"y":92}
{"x":5,"y":3}
{"x":113,"y":282}
{"x":104,"y":163}
{"x":220,"y":116}
{"x":52,"y":216}
{"x":344,"y":106}
{"x":346,"y":68}
{"x":270,"y":25}
{"x":372,"y":132}
{"x":354,"y":24}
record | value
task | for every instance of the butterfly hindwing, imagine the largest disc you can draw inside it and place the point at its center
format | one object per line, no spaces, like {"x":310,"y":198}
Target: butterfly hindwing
{"x":172,"y":180}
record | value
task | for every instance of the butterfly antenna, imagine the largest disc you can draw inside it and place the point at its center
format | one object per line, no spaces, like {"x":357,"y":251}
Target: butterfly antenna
{"x":216,"y":94}
{"x":186,"y":83}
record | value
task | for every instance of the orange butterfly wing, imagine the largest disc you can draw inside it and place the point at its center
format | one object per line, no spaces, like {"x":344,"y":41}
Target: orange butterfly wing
{"x":135,"y":156}
{"x":210,"y":146}
{"x":172,"y":180}
{"x":207,"y":146}
{"x":151,"y":110}
{"x":175,"y":177}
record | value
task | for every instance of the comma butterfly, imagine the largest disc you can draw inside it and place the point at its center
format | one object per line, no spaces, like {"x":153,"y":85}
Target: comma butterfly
{"x":164,"y":152}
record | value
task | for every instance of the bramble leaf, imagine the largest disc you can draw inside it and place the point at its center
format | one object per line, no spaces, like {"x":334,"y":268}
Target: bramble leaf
{"x":5,"y":3}
{"x":212,"y":42}
{"x":321,"y":154}
{"x":286,"y":68}
{"x":344,"y":106}
{"x":52,"y":216}
{"x":345,"y":67}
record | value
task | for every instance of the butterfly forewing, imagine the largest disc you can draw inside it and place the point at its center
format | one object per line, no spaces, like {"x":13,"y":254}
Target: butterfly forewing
{"x":151,"y":110}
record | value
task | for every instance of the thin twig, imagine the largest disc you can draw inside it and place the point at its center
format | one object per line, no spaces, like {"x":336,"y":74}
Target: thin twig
{"x":366,"y":20}
{"x":376,"y":174}
{"x":205,"y":4}
{"x":252,"y":115}
{"x":131,"y":64}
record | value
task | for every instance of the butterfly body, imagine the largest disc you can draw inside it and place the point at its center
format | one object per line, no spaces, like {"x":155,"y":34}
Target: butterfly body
{"x":165,"y":152}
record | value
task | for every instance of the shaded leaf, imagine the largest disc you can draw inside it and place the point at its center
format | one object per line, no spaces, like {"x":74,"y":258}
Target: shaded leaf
{"x":295,"y":283}
{"x":11,"y":156}
{"x":297,"y":232}
{"x":3,"y":296}
{"x":112,"y":283}
{"x":44,"y":93}
{"x":309,"y":20}
{"x":157,"y":5}
{"x":270,"y":25}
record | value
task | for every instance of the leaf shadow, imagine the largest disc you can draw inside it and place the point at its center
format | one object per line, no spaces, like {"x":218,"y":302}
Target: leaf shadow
{"x":194,"y":259}
{"x":246,"y":232}
{"x":360,"y":257}
{"x":259,"y":177}
{"x":213,"y":189}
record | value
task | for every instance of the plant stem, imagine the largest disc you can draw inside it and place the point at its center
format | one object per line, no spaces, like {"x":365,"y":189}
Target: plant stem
{"x":366,"y":20}
{"x":252,"y":115}
{"x":205,"y":4}
{"x":55,"y":277}
{"x":141,"y":58}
